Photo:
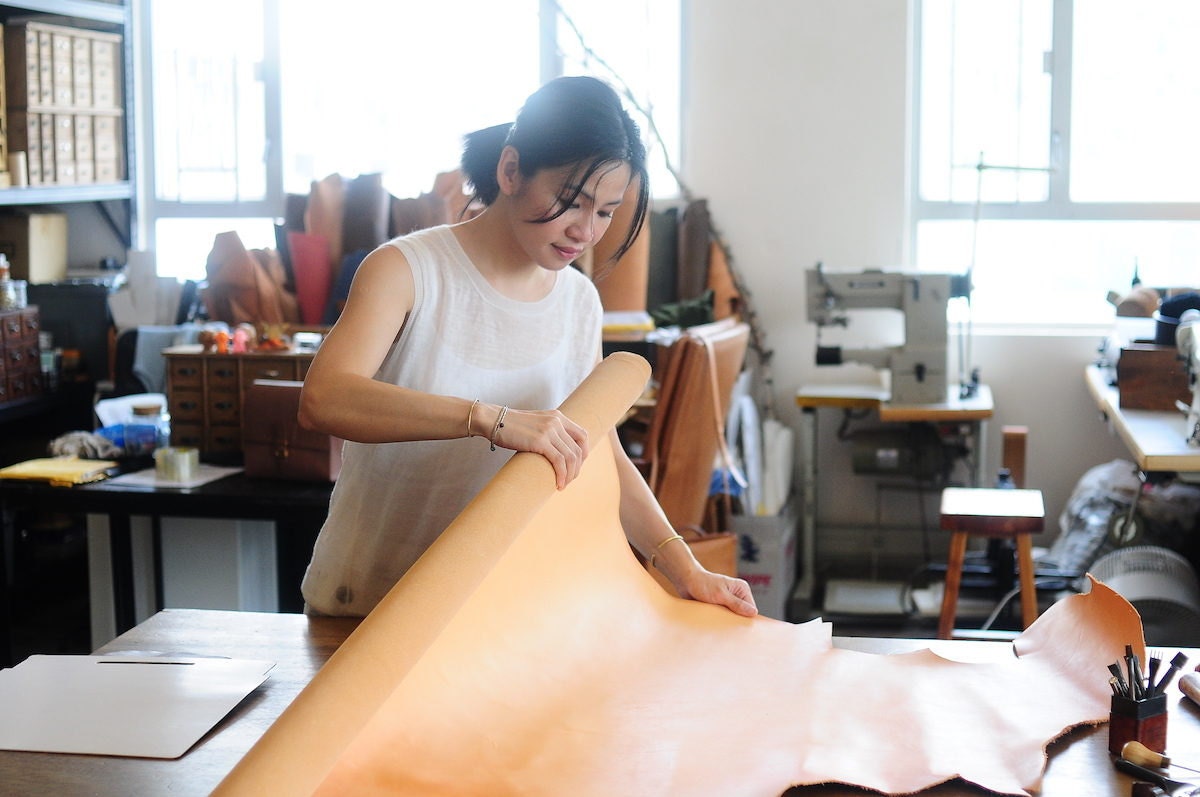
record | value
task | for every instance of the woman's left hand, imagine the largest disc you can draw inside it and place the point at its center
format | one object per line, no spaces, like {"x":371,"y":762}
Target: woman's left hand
{"x":732,"y":593}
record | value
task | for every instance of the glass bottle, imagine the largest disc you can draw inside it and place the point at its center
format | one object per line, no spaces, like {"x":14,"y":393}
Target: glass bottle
{"x":8,"y":287}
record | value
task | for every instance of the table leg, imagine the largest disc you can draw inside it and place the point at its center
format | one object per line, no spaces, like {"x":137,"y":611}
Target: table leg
{"x":6,"y":536}
{"x":979,"y":475}
{"x":293,"y":549}
{"x":958,"y":550}
{"x":1029,"y":599}
{"x":808,"y":505}
{"x":121,"y":549}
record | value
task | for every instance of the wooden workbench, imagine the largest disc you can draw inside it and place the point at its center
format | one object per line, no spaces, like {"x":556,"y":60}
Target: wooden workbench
{"x":1156,"y":440}
{"x":300,"y":645}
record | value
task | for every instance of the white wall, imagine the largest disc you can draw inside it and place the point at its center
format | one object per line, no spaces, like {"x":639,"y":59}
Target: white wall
{"x":795,"y":130}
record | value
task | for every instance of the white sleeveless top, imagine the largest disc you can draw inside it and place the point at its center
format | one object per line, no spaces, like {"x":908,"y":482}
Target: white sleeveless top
{"x":464,"y":339}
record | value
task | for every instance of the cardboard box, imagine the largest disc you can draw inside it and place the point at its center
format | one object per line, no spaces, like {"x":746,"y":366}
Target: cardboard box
{"x":767,"y":557}
{"x":1151,"y":377}
{"x":36,"y":245}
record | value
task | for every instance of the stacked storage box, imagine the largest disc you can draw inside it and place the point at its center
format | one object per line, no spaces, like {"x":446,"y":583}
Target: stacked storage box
{"x":64,"y":102}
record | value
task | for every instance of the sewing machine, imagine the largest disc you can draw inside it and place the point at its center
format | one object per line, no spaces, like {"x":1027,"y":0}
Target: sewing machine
{"x":918,"y":366}
{"x":1187,"y":340}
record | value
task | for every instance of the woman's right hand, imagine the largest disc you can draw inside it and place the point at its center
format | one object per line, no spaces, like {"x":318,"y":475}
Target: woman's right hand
{"x":556,"y":437}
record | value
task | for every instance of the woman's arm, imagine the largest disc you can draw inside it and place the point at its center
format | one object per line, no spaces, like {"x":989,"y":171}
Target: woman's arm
{"x":646,"y":526}
{"x":341,"y":396}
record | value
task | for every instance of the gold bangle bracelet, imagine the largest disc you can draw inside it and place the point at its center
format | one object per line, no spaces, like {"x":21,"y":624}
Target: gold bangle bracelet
{"x":672,"y":538}
{"x":654,"y":555}
{"x":497,"y":426}
{"x":470,"y":416}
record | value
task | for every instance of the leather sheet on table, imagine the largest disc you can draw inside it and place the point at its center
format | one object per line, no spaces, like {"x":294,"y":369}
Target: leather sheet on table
{"x":527,"y":653}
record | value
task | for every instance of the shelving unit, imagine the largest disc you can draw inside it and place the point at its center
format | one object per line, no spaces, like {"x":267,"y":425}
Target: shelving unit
{"x":45,"y":608}
{"x":114,"y":17}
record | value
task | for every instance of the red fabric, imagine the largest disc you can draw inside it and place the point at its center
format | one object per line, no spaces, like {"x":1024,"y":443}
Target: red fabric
{"x":312,"y":272}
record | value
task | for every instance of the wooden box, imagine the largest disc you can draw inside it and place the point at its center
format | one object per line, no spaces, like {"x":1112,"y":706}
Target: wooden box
{"x":1151,"y":377}
{"x":36,"y":245}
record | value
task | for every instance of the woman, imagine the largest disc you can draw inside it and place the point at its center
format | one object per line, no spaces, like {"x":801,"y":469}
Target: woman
{"x":469,"y":331}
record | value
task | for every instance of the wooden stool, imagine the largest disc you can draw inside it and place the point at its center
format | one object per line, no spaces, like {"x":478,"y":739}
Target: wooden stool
{"x":994,"y":513}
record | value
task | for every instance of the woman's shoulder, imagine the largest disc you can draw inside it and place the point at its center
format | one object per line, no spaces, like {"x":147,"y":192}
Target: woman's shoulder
{"x":425,"y":237}
{"x":579,"y":284}
{"x":429,"y":248}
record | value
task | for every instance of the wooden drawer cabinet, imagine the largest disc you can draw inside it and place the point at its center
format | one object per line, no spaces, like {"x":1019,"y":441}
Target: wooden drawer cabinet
{"x":20,"y":354}
{"x":205,"y":391}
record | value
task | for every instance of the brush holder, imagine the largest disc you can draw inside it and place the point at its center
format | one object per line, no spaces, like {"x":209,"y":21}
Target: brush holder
{"x":1142,"y":721}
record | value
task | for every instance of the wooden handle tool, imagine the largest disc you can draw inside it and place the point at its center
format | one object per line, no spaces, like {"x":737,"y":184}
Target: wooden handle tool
{"x":1190,"y":686}
{"x":1142,"y":755}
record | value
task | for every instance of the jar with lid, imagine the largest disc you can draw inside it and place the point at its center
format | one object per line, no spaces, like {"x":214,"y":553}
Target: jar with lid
{"x":148,"y":428}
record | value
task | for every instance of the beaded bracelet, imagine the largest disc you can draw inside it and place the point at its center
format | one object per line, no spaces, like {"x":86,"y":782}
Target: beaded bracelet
{"x":497,"y":426}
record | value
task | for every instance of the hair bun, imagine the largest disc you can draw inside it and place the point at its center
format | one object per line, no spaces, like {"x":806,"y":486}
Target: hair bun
{"x":481,"y":154}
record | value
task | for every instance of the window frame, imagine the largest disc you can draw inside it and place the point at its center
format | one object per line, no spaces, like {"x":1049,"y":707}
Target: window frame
{"x":1058,"y":205}
{"x":272,"y":205}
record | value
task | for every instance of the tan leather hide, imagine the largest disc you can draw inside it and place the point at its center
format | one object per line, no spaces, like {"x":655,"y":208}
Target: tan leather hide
{"x":527,"y":653}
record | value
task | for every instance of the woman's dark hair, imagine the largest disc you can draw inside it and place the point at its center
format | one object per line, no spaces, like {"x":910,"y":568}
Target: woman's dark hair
{"x":570,"y":121}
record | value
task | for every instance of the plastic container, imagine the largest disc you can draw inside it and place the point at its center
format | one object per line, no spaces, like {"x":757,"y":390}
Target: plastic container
{"x":145,"y":429}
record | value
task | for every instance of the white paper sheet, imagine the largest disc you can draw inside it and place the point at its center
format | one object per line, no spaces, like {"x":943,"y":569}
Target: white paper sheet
{"x":154,"y":707}
{"x":148,"y":477}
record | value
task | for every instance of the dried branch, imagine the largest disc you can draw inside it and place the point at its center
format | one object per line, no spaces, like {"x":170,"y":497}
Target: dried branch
{"x":645,"y":110}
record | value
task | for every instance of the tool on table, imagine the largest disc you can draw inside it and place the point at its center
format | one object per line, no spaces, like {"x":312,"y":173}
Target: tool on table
{"x":1190,"y":686}
{"x":1176,"y":788}
{"x":1142,"y":755}
{"x":1137,"y":688}
{"x":1176,"y":665}
{"x":1152,"y":667}
{"x":1143,"y":789}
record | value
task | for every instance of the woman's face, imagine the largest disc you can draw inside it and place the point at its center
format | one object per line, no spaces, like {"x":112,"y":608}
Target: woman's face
{"x":557,"y":243}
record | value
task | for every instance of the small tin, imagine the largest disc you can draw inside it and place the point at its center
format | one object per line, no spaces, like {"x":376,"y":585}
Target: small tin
{"x":1142,"y":721}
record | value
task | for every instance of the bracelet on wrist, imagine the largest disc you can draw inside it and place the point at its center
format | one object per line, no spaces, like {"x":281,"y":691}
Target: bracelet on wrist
{"x":497,"y":426}
{"x":658,"y":547}
{"x":470,"y":417}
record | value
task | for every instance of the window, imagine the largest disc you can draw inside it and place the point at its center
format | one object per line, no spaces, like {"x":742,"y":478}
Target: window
{"x":635,"y":46}
{"x":299,"y":90}
{"x":1052,"y":152}
{"x":209,"y":104}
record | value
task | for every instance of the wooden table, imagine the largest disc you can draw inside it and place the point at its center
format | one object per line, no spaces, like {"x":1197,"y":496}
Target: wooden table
{"x":1157,"y":440}
{"x":1079,"y":763}
{"x":298,"y":644}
